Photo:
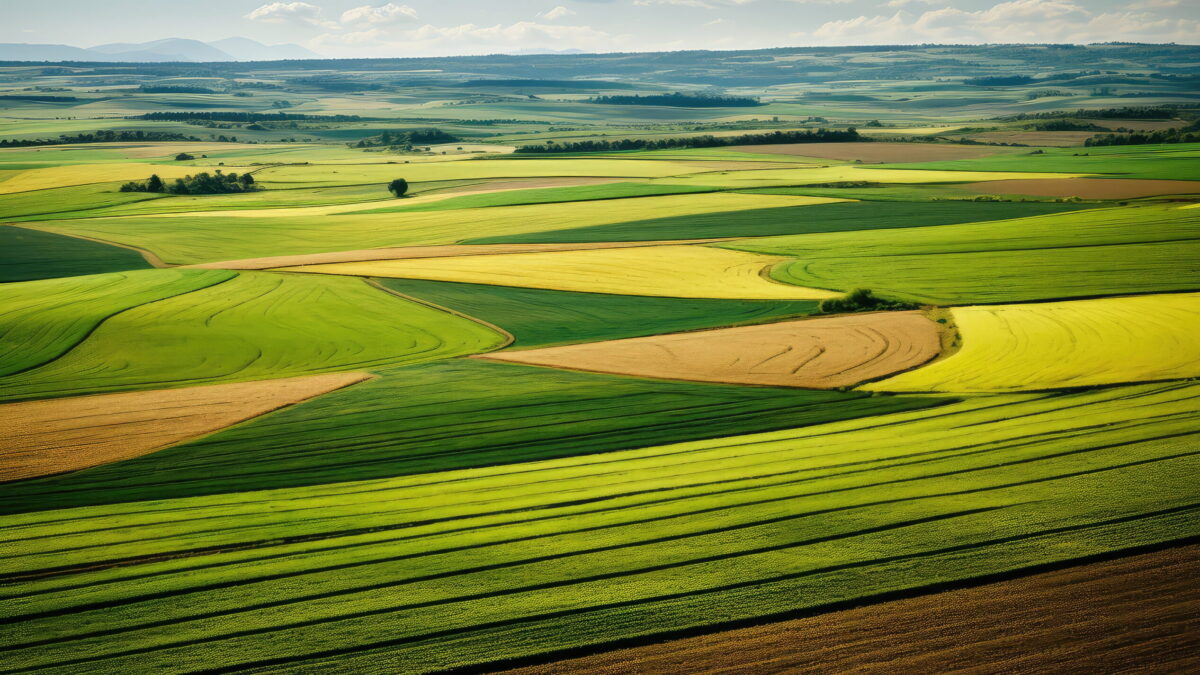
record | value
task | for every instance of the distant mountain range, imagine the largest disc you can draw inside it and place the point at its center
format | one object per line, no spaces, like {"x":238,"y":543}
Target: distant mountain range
{"x":170,"y":49}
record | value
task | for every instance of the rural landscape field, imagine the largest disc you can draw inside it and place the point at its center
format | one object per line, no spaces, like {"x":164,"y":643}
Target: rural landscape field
{"x":814,"y":359}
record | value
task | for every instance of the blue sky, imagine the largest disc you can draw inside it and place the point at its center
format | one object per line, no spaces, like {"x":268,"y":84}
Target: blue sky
{"x":345,"y":28}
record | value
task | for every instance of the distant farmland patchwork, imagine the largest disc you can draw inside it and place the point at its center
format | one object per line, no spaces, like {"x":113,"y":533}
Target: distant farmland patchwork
{"x":499,"y":402}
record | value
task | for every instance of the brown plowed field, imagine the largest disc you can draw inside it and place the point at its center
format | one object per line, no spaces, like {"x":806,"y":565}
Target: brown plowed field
{"x":820,"y":353}
{"x":876,"y":152}
{"x":1139,"y":614}
{"x":1086,"y":188}
{"x":403,"y":252}
{"x":68,"y":434}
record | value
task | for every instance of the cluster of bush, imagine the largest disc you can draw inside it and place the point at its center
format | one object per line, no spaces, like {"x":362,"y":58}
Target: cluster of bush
{"x":705,"y":141}
{"x":406,"y":138}
{"x":861,"y":300}
{"x":203,"y":183}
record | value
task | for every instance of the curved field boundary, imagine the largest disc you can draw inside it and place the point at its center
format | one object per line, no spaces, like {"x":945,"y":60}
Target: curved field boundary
{"x":452,"y":414}
{"x":668,"y":271}
{"x":190,"y":238}
{"x":824,"y":353}
{"x":538,"y":317}
{"x":405,"y":252}
{"x":42,"y":320}
{"x":255,"y":326}
{"x":1113,"y":616}
{"x":462,"y":568}
{"x":1065,"y":344}
{"x":28,"y":255}
{"x":61,"y":435}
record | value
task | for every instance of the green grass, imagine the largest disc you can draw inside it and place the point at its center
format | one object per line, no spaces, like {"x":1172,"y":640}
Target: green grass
{"x":256,"y":325}
{"x":581,"y":193}
{"x":538,"y":317}
{"x":1167,"y":162}
{"x":846,"y":216}
{"x":1135,"y":249}
{"x":443,"y":416}
{"x":73,"y":199}
{"x":468,"y":567}
{"x":41,"y":320}
{"x":32,"y":254}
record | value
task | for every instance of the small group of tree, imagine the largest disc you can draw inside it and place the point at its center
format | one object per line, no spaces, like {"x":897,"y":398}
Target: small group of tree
{"x":705,"y":141}
{"x":680,"y":100}
{"x":999,"y":81}
{"x":203,"y":183}
{"x":105,"y":136}
{"x":1063,"y":125}
{"x":237,"y":116}
{"x":38,"y":98}
{"x":861,"y":300}
{"x":405,"y":139}
{"x":175,"y":89}
{"x":1187,"y":135}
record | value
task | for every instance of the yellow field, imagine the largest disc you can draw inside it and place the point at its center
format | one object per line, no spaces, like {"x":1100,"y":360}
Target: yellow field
{"x":473,"y":168}
{"x":669,"y":271}
{"x":84,"y":174}
{"x":1065,"y":344}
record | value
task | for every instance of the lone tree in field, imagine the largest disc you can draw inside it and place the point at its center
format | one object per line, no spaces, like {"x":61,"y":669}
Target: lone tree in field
{"x":183,"y":157}
{"x":398,"y":187}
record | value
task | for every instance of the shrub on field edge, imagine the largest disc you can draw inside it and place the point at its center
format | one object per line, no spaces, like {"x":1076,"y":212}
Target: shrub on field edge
{"x":861,"y":300}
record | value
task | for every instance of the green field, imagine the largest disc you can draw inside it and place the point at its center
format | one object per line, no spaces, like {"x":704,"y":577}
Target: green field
{"x":1137,"y":249}
{"x":430,"y":572}
{"x":26,"y":255}
{"x":289,"y":425}
{"x":449,"y":416}
{"x":252,"y":326}
{"x":537,"y":317}
{"x":850,"y":216}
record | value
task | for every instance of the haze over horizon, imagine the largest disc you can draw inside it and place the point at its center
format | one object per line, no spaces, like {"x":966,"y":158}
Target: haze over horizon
{"x":351,"y":28}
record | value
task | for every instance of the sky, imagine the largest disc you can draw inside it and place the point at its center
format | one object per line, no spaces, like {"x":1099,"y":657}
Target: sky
{"x":354,"y":28}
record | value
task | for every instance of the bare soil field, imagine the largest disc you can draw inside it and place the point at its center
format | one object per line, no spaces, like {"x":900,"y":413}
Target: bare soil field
{"x":821,"y":353}
{"x":403,"y":252}
{"x":876,"y":152}
{"x":68,"y":434}
{"x":1135,"y":614}
{"x":1137,"y":125}
{"x":1086,"y":188}
{"x":1050,"y":139}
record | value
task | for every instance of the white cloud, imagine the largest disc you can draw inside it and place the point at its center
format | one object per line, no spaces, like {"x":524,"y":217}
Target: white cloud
{"x":1059,"y":21}
{"x":381,"y":15}
{"x":556,"y":13}
{"x":469,"y":39}
{"x":290,"y":12}
{"x":683,"y":3}
{"x":1155,"y":4}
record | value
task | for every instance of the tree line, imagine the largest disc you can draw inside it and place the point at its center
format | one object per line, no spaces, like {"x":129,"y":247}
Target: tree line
{"x":234,"y":116}
{"x":203,"y":183}
{"x":679,"y":100}
{"x":406,"y":138}
{"x":105,"y":136}
{"x":1162,"y":112}
{"x":1186,"y":135}
{"x":705,"y":141}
